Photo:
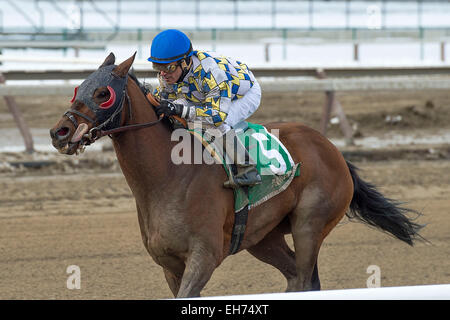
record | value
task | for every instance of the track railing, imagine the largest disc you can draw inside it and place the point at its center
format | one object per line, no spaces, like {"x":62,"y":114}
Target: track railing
{"x":418,"y":78}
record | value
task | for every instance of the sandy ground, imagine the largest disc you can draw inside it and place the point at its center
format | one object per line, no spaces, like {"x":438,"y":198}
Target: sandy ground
{"x":80,"y":211}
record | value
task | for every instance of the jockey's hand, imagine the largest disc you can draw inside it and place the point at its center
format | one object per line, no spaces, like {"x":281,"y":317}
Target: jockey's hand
{"x":168,"y":108}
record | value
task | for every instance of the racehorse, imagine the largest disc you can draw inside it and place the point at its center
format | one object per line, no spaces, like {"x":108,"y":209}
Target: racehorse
{"x":185,"y":214}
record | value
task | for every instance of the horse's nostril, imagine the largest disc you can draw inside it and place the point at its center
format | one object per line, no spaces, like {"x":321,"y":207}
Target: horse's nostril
{"x":62,"y":133}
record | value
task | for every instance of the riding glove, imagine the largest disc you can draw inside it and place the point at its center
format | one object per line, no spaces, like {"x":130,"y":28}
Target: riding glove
{"x":168,"y":108}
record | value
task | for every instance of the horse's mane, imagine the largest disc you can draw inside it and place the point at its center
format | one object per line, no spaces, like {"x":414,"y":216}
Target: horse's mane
{"x":145,"y":90}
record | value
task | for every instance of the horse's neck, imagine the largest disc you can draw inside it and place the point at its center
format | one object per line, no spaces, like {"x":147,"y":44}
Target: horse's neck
{"x":144,"y":154}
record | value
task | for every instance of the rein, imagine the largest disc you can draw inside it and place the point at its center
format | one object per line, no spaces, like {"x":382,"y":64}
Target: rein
{"x":94,"y":134}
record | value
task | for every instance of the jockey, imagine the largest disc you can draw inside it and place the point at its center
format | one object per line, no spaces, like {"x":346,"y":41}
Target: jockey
{"x":199,"y":86}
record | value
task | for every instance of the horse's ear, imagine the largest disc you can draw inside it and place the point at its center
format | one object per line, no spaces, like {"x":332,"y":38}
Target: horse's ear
{"x":122,"y":69}
{"x":110,"y":59}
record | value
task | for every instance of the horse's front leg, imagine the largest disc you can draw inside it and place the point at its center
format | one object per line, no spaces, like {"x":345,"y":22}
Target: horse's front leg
{"x":173,"y":280}
{"x":200,"y":266}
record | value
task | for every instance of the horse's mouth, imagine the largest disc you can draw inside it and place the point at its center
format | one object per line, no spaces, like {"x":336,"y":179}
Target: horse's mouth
{"x":73,"y":144}
{"x":69,"y":148}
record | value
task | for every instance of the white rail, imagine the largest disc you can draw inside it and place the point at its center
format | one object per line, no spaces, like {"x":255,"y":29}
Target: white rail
{"x":85,"y":66}
{"x":425,"y":292}
{"x":273,"y":85}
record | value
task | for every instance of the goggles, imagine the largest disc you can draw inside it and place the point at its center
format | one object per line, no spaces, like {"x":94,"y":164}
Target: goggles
{"x":168,"y":68}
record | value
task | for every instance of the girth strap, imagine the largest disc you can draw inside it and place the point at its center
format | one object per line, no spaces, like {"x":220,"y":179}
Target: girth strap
{"x":240,"y":223}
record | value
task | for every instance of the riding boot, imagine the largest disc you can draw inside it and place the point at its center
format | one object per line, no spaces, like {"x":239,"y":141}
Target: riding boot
{"x":244,"y":167}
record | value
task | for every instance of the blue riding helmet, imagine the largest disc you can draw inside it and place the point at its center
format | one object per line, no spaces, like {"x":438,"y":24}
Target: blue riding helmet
{"x":169,"y":46}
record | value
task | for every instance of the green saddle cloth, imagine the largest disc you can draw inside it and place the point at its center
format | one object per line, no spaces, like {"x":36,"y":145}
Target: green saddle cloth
{"x":274,"y":164}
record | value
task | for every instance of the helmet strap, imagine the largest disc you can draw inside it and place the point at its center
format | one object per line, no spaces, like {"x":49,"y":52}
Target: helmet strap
{"x":185,"y":67}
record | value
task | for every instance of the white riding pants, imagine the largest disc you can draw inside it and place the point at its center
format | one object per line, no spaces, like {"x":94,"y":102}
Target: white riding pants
{"x":241,"y":109}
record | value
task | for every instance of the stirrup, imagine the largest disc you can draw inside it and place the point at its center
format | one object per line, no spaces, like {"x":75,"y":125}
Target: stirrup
{"x":245,"y":178}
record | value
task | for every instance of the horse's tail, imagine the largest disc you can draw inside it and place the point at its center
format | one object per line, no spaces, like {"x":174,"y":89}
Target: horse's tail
{"x":370,"y":206}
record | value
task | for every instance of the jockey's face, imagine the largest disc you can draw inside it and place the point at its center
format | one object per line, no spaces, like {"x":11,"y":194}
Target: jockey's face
{"x":171,"y":77}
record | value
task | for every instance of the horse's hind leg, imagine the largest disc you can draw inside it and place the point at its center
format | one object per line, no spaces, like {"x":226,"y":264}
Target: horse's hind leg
{"x":274,"y":250}
{"x":307,"y":246}
{"x":308,"y":222}
{"x":173,"y":280}
{"x":315,"y":281}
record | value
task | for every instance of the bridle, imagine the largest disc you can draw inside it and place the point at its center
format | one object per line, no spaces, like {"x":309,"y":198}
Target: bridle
{"x":96,"y":132}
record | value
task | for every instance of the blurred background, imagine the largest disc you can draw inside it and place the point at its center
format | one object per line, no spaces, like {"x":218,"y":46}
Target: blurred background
{"x":299,"y":32}
{"x":372,"y":76}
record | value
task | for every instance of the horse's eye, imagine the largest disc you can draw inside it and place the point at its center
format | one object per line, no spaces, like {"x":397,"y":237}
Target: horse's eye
{"x":111,"y":100}
{"x":102,"y":94}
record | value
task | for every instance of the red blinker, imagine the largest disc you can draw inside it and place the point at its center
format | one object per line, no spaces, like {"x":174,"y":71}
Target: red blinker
{"x":74,"y":95}
{"x":111,"y":100}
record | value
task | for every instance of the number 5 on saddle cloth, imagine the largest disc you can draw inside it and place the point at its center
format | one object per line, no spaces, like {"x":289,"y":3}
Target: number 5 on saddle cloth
{"x":273,"y":162}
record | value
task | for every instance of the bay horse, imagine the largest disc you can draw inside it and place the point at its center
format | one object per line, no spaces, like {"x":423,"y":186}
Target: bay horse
{"x":185,"y":214}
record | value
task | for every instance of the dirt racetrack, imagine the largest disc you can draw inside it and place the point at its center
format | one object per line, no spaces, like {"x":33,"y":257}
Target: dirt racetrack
{"x":80,"y":211}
